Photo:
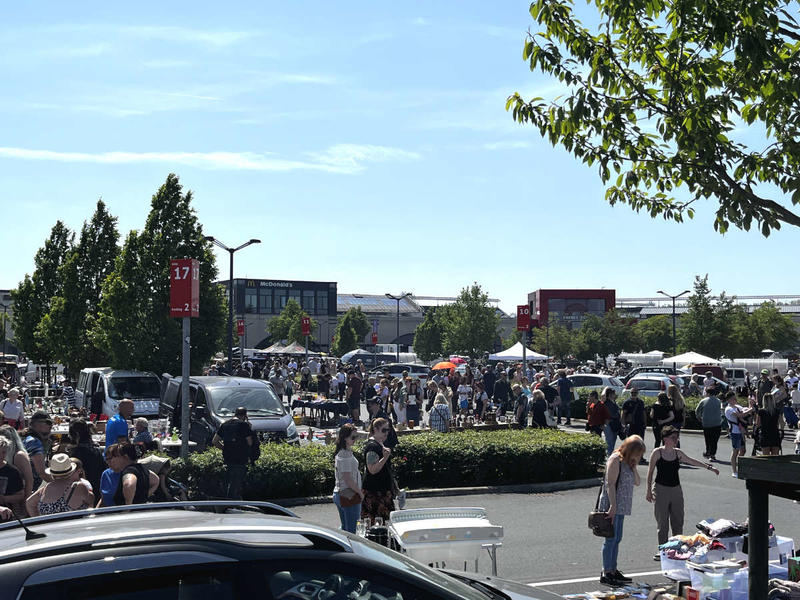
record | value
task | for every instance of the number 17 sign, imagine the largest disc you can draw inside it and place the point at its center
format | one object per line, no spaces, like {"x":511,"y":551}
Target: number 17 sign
{"x":184,"y":287}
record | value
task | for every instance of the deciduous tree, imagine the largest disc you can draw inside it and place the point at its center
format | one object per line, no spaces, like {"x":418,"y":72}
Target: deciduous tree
{"x":289,"y":324}
{"x":662,"y":94}
{"x":133,"y":325}
{"x":428,"y":337}
{"x":470,"y":324}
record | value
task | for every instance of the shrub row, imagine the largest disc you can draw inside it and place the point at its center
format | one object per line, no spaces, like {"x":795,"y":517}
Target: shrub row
{"x":455,"y":459}
{"x":578,"y":408}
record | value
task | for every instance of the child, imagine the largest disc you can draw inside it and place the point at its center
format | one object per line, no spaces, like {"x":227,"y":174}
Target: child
{"x":143,"y":435}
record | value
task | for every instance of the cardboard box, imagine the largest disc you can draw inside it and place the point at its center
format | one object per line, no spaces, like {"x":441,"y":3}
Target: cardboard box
{"x":794,"y":568}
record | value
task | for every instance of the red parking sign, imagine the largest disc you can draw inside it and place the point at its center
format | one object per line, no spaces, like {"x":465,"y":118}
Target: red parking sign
{"x":374,"y":338}
{"x":184,"y":287}
{"x":523,"y":317}
{"x":305,"y":324}
{"x":240,"y":327}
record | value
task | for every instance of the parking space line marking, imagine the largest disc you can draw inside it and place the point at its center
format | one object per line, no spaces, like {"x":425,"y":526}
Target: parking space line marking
{"x":587,"y":579}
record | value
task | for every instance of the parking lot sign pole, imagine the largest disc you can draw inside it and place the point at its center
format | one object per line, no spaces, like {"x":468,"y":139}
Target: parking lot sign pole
{"x":523,"y":324}
{"x":674,"y":336}
{"x":184,"y":302}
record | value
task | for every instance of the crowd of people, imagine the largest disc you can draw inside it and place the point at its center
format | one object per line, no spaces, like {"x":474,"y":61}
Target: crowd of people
{"x":42,"y":475}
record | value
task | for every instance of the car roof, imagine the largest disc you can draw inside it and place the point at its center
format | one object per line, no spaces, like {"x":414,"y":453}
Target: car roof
{"x":119,"y":372}
{"x":224,"y":381}
{"x":79,"y":530}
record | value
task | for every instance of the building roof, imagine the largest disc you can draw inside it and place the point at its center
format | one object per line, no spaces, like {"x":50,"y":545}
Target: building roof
{"x":375,"y":304}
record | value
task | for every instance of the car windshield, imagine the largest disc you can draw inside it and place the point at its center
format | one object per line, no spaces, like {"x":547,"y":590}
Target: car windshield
{"x":398,"y":561}
{"x":143,"y":386}
{"x":260,"y":401}
{"x":615,"y":381}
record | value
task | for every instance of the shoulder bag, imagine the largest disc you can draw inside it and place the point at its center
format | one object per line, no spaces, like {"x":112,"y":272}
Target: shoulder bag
{"x":349,"y":497}
{"x":599,"y":522}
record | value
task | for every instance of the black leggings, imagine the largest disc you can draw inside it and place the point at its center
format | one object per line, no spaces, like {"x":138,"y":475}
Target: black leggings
{"x":712,"y":438}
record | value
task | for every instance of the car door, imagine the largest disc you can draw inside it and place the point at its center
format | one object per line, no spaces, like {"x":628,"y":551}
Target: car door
{"x":200,"y":430}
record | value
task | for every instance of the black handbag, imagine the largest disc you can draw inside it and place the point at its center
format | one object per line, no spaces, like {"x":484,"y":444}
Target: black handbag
{"x":599,"y":522}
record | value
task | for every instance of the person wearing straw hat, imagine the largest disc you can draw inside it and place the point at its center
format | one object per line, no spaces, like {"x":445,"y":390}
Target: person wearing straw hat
{"x":64,"y":493}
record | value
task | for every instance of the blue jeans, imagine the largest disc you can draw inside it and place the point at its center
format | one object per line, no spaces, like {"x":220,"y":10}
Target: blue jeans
{"x":564,"y":409}
{"x":348,"y":515}
{"x":611,"y":439}
{"x":611,"y":546}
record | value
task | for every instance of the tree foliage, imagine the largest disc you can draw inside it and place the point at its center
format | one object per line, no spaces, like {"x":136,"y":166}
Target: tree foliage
{"x":469,"y":325}
{"x":553,"y":340}
{"x":360,"y":323}
{"x":655,"y":333}
{"x":133,"y":325}
{"x":428,"y":337}
{"x":652,"y":96}
{"x":705,"y":325}
{"x":73,"y":313}
{"x":288,"y":325}
{"x":34,"y":295}
{"x":344,"y":340}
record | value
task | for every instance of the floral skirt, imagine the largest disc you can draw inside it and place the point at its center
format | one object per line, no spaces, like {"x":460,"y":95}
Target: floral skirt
{"x":377,"y":504}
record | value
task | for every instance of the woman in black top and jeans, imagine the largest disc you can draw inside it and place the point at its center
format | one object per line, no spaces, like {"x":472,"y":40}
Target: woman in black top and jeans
{"x":667,"y":493}
{"x":378,"y":480}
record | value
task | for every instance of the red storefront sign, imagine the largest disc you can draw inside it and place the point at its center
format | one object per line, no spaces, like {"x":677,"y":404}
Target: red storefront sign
{"x":305,"y":325}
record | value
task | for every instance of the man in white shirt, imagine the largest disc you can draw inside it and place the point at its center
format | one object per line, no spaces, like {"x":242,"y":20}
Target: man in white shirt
{"x":735,"y":415}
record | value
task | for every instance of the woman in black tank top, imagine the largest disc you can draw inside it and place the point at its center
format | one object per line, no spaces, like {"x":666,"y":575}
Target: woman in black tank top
{"x":666,"y":493}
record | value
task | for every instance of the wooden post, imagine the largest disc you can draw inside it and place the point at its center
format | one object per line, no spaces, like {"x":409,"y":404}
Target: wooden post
{"x":758,"y":536}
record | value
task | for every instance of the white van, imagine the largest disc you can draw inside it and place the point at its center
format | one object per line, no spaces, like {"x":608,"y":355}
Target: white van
{"x":100,"y":389}
{"x":736,"y":376}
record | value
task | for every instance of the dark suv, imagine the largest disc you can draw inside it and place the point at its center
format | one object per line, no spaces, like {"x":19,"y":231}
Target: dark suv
{"x":214,"y":400}
{"x":221,"y":551}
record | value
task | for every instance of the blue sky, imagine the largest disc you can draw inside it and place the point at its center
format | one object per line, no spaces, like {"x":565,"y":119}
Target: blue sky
{"x":362,"y":142}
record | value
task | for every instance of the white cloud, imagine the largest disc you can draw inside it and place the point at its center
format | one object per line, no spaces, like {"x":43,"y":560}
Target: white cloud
{"x":350,"y":157}
{"x":342,"y":158}
{"x":207,"y":37}
{"x":507,"y":145}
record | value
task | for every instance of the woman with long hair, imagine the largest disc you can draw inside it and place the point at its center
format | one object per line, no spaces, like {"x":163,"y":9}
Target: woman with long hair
{"x":18,"y":456}
{"x":661,"y":414}
{"x":678,"y":406}
{"x":770,"y":425}
{"x":617,"y":500}
{"x":378,"y":499}
{"x":347,"y":493}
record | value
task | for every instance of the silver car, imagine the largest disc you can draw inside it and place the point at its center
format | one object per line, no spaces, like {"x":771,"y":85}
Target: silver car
{"x":220,"y":551}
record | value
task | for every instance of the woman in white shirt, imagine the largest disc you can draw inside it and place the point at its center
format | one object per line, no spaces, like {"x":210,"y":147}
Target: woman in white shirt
{"x":13,"y":408}
{"x":347,"y":493}
{"x":464,"y":393}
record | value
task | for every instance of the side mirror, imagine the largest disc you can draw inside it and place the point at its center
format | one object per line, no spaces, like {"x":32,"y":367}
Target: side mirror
{"x":199,"y":412}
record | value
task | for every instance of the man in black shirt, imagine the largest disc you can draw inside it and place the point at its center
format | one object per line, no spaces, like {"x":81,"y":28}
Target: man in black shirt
{"x":235,"y":438}
{"x":501,"y":391}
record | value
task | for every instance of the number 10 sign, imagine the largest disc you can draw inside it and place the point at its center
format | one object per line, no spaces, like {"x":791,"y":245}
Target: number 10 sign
{"x":184,"y":287}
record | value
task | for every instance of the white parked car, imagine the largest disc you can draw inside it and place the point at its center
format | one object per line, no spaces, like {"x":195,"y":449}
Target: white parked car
{"x":592,"y":381}
{"x":649,"y":386}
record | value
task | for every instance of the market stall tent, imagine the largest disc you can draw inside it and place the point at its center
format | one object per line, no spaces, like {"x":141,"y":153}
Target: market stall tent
{"x":689,"y":358}
{"x":515,"y":353}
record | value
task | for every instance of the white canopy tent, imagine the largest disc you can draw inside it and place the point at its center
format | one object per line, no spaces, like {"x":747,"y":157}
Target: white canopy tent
{"x":515,"y":353}
{"x":690,"y":358}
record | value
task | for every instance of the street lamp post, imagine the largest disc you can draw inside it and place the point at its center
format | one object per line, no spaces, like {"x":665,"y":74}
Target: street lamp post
{"x":397,"y":299}
{"x":674,"y":337}
{"x":216,"y":242}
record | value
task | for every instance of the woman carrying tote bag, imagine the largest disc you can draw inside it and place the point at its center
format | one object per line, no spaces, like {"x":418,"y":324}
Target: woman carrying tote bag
{"x":347,"y":493}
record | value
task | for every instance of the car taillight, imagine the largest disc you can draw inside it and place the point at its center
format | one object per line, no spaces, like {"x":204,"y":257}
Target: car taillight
{"x":663,"y":384}
{"x":628,"y":385}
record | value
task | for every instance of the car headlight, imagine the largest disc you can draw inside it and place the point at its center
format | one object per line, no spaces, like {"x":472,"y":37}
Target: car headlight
{"x":291,"y":430}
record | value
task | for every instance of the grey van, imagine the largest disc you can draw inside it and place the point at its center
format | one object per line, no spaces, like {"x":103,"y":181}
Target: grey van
{"x":213,"y":401}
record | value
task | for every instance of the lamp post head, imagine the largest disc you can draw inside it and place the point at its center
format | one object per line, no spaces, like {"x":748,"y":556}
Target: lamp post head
{"x":254,"y":241}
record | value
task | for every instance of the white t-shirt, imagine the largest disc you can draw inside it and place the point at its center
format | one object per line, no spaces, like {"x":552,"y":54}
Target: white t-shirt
{"x":730,"y":415}
{"x":463,"y":392}
{"x":345,"y":462}
{"x":341,"y":377}
{"x":12,"y":410}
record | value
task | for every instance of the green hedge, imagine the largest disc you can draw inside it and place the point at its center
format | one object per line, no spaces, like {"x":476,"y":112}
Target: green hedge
{"x":578,"y":408}
{"x":424,"y":460}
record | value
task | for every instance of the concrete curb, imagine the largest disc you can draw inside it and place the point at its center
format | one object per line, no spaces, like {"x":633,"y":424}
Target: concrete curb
{"x":525,"y":488}
{"x":683,"y":431}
